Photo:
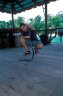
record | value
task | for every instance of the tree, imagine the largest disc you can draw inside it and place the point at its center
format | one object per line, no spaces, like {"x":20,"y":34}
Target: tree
{"x":49,"y":21}
{"x":2,"y":24}
{"x":56,"y":21}
{"x":10,"y":24}
{"x":38,"y":23}
{"x":18,"y":21}
{"x":60,"y":15}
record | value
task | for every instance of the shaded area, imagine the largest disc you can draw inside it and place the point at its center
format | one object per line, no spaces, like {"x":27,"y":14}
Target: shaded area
{"x":41,"y":77}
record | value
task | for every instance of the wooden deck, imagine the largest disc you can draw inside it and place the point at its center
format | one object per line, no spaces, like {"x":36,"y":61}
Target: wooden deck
{"x":41,"y":77}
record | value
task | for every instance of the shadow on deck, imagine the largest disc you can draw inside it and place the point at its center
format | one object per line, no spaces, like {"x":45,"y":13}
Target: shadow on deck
{"x":41,"y":77}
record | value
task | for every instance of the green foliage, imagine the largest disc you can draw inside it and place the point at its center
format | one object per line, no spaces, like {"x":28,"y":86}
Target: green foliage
{"x":37,"y":22}
{"x":18,"y":21}
{"x":56,"y":21}
{"x":2,"y":24}
{"x":10,"y":24}
{"x":49,"y":21}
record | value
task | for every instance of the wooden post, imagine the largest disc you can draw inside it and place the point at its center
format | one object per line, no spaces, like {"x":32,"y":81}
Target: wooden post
{"x":46,"y":18}
{"x":12,"y":21}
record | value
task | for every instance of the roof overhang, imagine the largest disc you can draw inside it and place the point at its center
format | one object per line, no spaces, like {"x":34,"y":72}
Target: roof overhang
{"x":17,"y":6}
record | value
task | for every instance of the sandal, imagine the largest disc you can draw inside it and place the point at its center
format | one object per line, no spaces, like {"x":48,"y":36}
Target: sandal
{"x":36,"y":50}
{"x":27,"y":52}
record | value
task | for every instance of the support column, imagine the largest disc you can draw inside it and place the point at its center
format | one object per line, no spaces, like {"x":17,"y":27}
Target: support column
{"x":46,"y":18}
{"x":12,"y":20}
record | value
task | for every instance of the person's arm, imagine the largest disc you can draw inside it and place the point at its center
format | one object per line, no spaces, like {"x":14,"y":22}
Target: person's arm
{"x":28,"y":37}
{"x":25,"y":37}
{"x":31,"y":27}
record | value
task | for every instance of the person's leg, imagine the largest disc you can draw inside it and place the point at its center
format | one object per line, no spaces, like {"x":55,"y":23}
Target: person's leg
{"x":37,"y":45}
{"x":23,"y":43}
{"x":27,"y":51}
{"x":40,"y":45}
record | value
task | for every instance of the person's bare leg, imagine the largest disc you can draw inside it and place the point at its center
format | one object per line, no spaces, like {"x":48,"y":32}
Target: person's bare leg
{"x":24,"y":44}
{"x":39,"y":46}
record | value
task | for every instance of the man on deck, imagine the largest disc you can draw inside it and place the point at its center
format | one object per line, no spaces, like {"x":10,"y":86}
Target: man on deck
{"x":28,"y":35}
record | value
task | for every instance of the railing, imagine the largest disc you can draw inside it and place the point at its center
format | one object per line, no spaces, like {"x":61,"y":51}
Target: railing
{"x":53,"y":33}
{"x":7,"y":36}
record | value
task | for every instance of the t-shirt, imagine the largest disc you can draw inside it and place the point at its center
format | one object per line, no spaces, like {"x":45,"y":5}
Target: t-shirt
{"x":32,"y":34}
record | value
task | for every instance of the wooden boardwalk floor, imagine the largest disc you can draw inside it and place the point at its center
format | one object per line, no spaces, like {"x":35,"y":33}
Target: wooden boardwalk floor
{"x":41,"y":77}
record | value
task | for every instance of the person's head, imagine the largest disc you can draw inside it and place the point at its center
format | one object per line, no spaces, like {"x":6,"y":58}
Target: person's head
{"x":23,"y":27}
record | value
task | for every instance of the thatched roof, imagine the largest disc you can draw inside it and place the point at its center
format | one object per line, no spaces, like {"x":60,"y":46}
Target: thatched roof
{"x":17,"y":6}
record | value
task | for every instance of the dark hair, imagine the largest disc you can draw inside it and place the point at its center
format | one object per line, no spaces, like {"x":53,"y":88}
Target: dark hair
{"x":22,"y":24}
